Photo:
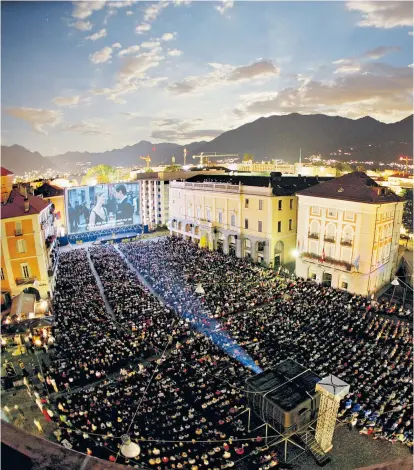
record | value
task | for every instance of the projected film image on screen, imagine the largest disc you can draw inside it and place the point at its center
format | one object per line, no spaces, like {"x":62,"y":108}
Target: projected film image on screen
{"x":102,"y":207}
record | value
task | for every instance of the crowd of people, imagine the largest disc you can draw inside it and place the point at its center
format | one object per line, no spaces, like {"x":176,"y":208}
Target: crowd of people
{"x":172,"y":375}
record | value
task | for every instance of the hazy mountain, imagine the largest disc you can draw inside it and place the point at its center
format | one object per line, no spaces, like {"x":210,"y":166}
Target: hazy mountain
{"x":281,"y":137}
{"x":127,"y":156}
{"x":20,"y":160}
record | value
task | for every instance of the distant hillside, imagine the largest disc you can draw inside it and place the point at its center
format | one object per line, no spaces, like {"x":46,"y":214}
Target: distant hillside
{"x":127,"y":156}
{"x":275,"y":137}
{"x":282,"y":136}
{"x":19,"y":160}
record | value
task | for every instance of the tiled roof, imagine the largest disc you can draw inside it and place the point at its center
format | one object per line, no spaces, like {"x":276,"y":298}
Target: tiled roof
{"x":15,"y":205}
{"x":5,"y":172}
{"x":356,"y":186}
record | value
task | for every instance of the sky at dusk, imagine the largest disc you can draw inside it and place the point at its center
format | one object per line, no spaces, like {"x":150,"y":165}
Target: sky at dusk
{"x":93,"y":76}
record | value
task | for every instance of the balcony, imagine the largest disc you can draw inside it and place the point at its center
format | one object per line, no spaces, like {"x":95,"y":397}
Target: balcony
{"x":18,"y":233}
{"x":329,"y":239}
{"x":346,"y":242}
{"x":334,"y":262}
{"x":24,"y":280}
{"x":313,"y":236}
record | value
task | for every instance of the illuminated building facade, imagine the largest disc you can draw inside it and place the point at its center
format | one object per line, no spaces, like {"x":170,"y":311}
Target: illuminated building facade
{"x":348,"y":233}
{"x":249,"y":216}
{"x":28,"y":254}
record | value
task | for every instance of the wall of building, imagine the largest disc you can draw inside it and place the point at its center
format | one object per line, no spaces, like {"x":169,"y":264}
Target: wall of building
{"x":246,"y":219}
{"x":358,"y":242}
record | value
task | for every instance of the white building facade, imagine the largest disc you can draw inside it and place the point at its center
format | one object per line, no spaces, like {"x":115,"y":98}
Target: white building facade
{"x":154,"y":197}
{"x":348,"y":234}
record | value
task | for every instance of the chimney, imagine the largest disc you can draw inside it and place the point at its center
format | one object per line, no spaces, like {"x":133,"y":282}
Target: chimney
{"x":26,"y":204}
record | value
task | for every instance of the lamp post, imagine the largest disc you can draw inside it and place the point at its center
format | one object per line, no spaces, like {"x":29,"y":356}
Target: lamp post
{"x":395,"y":283}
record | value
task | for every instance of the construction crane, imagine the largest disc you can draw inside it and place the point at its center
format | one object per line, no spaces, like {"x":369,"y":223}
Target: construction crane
{"x":405,"y":158}
{"x":204,"y":157}
{"x":147,"y":159}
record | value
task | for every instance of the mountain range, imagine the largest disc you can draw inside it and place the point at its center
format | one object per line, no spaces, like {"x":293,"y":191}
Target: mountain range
{"x":274,"y":137}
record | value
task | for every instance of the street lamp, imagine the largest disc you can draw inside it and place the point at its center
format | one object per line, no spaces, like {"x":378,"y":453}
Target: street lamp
{"x":394,"y":283}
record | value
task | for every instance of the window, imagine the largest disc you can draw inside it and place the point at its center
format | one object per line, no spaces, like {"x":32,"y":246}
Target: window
{"x":349,"y":215}
{"x":198,"y":210}
{"x":21,"y":246}
{"x":279,"y":205}
{"x":246,"y":204}
{"x":315,"y":210}
{"x":246,"y":223}
{"x":25,"y":270}
{"x":344,"y":285}
{"x":291,"y":204}
{"x":331,"y":212}
{"x":208,"y":214}
{"x":18,"y":228}
{"x":260,"y":226}
{"x":220,"y":217}
{"x":260,"y":205}
{"x":279,"y":226}
{"x":290,"y":224}
{"x":233,"y":220}
{"x":2,"y":274}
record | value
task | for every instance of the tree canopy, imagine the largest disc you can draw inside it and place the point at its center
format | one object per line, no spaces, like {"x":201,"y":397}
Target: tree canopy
{"x":101,"y":173}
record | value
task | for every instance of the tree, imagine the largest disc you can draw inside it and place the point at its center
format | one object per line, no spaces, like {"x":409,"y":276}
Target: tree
{"x":148,"y":170}
{"x":247,"y":157}
{"x":100,"y":174}
{"x":172,"y":168}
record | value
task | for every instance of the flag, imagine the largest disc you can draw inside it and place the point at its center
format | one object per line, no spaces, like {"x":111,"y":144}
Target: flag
{"x":356,"y":262}
{"x":153,"y":148}
{"x":323,"y":255}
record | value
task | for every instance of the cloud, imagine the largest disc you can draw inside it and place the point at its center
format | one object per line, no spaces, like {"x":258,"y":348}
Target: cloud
{"x":376,"y":90}
{"x":120,"y":4}
{"x":116,"y":45}
{"x":99,"y":35}
{"x":82,"y":25}
{"x":224,"y":5}
{"x":388,"y":14}
{"x":70,"y":101}
{"x":151,"y":44}
{"x":129,"y":12}
{"x":83,"y":10}
{"x":37,"y":118}
{"x":354,"y":64}
{"x":152,"y":12}
{"x":88,"y":127}
{"x":129,"y":50}
{"x":177,"y":130}
{"x":143,"y":28}
{"x":174,"y":52}
{"x":168,"y":36}
{"x":225,"y":74}
{"x":102,"y":56}
{"x":134,"y":67}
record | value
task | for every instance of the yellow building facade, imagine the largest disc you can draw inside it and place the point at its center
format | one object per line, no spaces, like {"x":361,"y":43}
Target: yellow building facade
{"x":28,"y":243}
{"x":253,"y":217}
{"x":348,"y":234}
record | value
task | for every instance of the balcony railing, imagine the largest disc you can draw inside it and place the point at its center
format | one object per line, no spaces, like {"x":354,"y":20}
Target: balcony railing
{"x":327,"y":260}
{"x":313,"y":236}
{"x":18,"y":232}
{"x":25,"y":280}
{"x":329,"y":239}
{"x":346,"y":242}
